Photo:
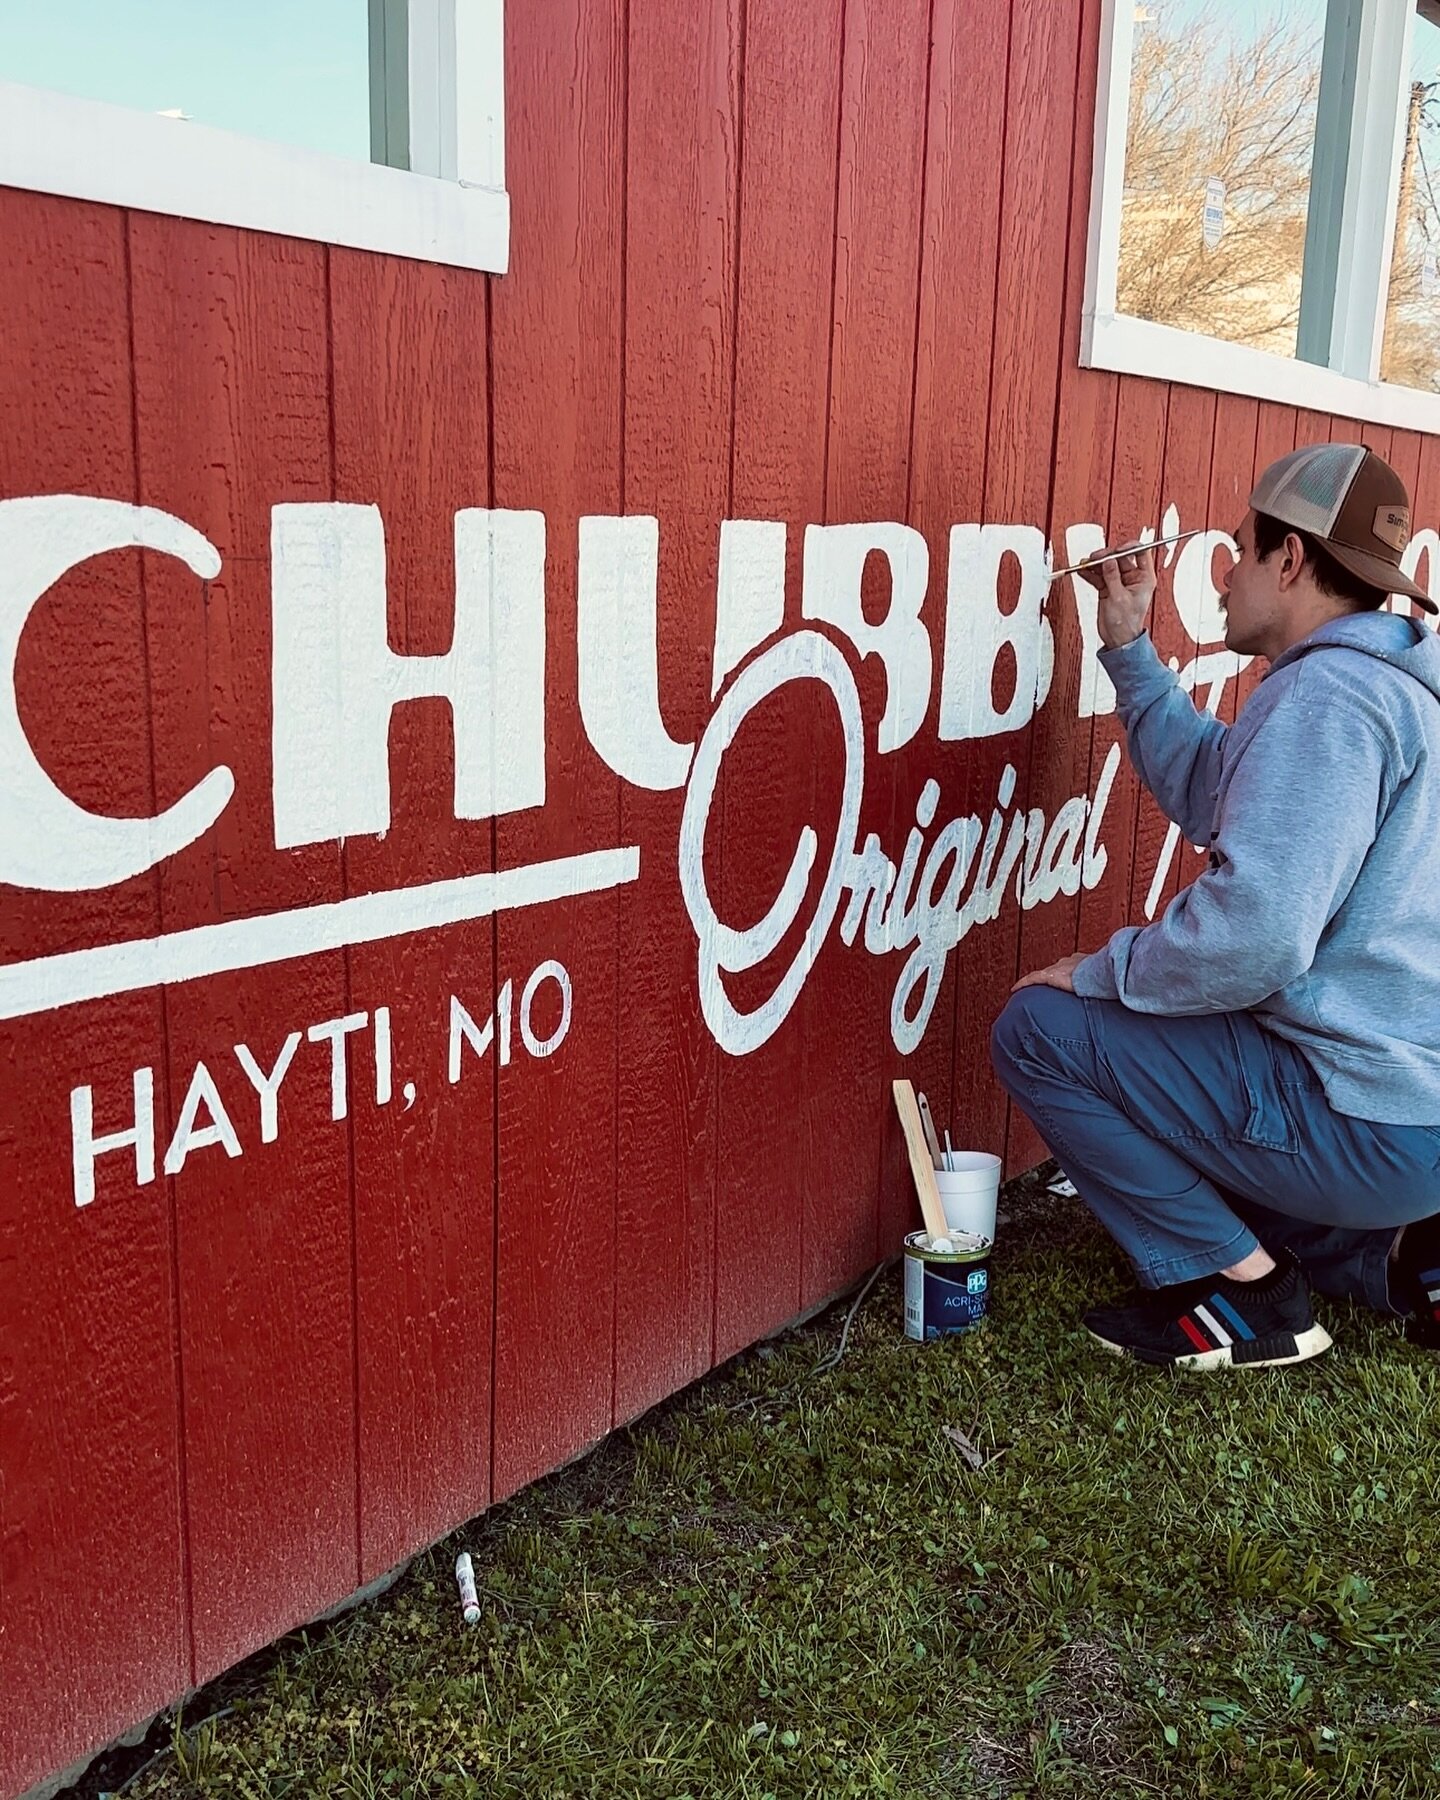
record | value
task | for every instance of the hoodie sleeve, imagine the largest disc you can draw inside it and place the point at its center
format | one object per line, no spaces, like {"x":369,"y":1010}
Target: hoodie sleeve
{"x":1174,"y":745}
{"x":1280,"y":870}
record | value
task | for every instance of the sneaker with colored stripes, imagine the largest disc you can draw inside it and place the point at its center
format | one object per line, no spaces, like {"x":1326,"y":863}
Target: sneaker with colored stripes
{"x":1217,"y":1323}
{"x":1423,"y":1327}
{"x":1419,"y":1281}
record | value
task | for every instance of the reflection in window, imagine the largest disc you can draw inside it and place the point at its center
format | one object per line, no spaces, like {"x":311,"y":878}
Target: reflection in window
{"x":1222,"y":121}
{"x":1411,"y":352}
{"x":295,"y":72}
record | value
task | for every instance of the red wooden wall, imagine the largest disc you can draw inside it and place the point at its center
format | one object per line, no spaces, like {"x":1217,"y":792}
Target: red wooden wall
{"x":805,"y":264}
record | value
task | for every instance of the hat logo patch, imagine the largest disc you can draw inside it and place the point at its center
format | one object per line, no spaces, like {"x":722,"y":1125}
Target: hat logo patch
{"x":1392,"y":526}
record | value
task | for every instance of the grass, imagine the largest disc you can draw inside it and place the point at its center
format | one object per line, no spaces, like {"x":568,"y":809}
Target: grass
{"x":786,"y":1583}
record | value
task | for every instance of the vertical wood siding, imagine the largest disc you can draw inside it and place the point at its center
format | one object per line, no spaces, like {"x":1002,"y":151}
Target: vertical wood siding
{"x":815,"y":265}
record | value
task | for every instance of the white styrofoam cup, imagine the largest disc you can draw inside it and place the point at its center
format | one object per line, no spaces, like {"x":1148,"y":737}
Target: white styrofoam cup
{"x":970,"y":1191}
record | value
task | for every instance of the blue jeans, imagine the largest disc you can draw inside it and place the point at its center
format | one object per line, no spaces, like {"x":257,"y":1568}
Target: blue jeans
{"x":1194,"y":1139}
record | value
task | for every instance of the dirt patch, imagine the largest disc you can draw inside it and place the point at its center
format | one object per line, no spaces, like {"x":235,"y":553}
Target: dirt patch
{"x":1087,"y":1702}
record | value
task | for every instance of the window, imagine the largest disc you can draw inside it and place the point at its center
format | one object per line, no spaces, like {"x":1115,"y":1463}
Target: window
{"x":1262,"y":219}
{"x":373,"y":123}
{"x":1410,"y":351}
{"x":1218,"y":158}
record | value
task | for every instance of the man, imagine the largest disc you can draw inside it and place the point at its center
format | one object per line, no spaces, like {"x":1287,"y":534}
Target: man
{"x":1247,"y":1091}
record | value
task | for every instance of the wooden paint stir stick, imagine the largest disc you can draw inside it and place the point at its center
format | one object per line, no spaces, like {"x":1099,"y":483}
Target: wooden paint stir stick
{"x":921,"y":1166}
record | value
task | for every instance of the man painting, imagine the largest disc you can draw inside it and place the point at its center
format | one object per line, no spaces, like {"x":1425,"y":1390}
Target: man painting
{"x":1247,"y":1091}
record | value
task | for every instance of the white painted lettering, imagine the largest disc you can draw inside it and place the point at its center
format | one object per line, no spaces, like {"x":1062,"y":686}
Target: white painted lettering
{"x":1424,"y":547}
{"x":1096,"y":858}
{"x":900,"y":914}
{"x":336,"y":680}
{"x":336,"y":1031}
{"x":803,"y":656}
{"x":1197,"y":599}
{"x":85,"y":1146}
{"x":619,"y":652}
{"x":1097,"y":691}
{"x":835,"y":558}
{"x":46,"y":840}
{"x":188,"y":1137}
{"x":548,"y":971}
{"x":871,"y":877}
{"x":504,"y":1008}
{"x":934,"y":928}
{"x":383,"y":1059}
{"x":464,"y":1030}
{"x":268,"y":1086}
{"x":976,"y":630}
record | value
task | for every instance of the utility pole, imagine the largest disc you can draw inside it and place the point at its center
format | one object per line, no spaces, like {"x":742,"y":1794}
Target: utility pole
{"x":1404,"y":207}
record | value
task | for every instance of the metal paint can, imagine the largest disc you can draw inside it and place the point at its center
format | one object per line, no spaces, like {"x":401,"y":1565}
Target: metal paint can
{"x":946,"y":1294}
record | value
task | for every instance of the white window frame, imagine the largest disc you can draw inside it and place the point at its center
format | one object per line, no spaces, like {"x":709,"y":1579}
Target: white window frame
{"x":1351,"y":385}
{"x":450,"y":206}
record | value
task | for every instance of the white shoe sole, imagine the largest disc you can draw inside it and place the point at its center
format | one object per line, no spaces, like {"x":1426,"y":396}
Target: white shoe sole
{"x":1314,"y":1342}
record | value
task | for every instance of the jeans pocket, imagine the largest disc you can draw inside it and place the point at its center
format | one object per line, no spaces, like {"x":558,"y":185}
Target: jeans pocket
{"x":1270,"y":1124}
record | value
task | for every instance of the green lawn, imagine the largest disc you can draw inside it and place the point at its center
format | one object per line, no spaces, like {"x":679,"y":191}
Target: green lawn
{"x":794,"y":1583}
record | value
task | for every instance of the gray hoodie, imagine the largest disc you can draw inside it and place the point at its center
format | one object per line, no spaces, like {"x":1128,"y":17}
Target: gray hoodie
{"x":1320,"y":908}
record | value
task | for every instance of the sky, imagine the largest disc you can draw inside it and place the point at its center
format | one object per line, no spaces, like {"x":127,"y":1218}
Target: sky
{"x":1228,"y":15}
{"x":293,"y":70}
{"x":1215,"y":27}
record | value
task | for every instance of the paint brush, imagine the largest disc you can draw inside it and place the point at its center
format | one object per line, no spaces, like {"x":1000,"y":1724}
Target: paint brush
{"x":1100,"y":556}
{"x":930,"y":1138}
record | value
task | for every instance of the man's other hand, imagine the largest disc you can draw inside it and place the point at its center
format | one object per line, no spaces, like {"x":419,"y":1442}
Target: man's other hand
{"x":1126,"y":585}
{"x":1056,"y":976}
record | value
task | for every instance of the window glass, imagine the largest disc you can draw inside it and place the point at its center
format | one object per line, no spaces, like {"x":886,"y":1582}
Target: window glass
{"x":1221,"y":138}
{"x":1411,"y":345}
{"x":292,"y":70}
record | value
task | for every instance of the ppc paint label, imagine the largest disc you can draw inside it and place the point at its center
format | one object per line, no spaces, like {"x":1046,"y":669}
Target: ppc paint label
{"x":944,"y":1294}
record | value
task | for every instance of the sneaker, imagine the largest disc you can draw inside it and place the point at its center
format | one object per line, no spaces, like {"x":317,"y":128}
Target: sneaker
{"x":1417,"y":1281}
{"x":1216,"y":1323}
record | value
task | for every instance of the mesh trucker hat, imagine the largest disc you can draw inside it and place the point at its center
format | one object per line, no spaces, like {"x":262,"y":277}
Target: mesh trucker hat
{"x":1354,"y":503}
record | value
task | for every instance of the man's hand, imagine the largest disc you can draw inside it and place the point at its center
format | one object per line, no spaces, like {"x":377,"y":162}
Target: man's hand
{"x":1126,"y":585}
{"x":1056,"y":976}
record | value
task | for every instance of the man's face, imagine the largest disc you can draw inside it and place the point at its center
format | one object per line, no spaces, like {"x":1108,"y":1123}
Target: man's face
{"x":1253,"y":600}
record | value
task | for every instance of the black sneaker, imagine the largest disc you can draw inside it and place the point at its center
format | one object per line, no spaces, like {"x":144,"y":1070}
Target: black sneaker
{"x":1216,"y":1323}
{"x":1417,"y":1281}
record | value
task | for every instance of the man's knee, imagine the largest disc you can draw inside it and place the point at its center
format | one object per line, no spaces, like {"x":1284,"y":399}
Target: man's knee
{"x":1008,"y":1032}
{"x":1034,"y":1017}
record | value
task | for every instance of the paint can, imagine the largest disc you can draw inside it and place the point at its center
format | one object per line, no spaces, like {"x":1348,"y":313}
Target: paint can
{"x":945,"y":1294}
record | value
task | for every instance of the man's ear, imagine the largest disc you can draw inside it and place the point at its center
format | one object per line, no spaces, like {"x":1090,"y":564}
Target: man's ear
{"x":1293,"y":559}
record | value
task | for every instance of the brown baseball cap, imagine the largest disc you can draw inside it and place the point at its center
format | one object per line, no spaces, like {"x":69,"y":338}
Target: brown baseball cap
{"x":1354,"y":503}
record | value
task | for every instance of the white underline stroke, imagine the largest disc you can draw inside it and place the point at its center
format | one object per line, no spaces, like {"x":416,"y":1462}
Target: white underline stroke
{"x":47,"y":982}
